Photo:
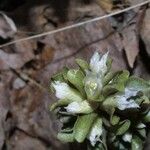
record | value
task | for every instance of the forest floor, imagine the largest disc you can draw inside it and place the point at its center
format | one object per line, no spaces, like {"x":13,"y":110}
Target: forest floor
{"x":26,"y":67}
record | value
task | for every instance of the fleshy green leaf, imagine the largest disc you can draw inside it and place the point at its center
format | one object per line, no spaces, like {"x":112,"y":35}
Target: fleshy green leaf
{"x":147,"y":92}
{"x":109,"y":105}
{"x":76,"y":78}
{"x":147,"y":117}
{"x":117,"y":83}
{"x":66,"y":137}
{"x":109,"y":76}
{"x":142,"y":100}
{"x":60,"y":76}
{"x":62,"y":102}
{"x":137,"y":143}
{"x":123,"y":127}
{"x":83,"y":107}
{"x":142,"y":132}
{"x":96,"y":131}
{"x":64,"y":91}
{"x":121,"y":77}
{"x":111,"y":89}
{"x":82,"y":64}
{"x":137,"y":83}
{"x":83,"y":126}
{"x":93,"y":86}
{"x":109,"y":64}
{"x":122,"y":146}
{"x":106,"y":122}
{"x":114,"y":120}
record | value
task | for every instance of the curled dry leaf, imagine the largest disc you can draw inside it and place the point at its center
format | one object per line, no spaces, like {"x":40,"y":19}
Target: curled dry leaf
{"x":7,"y":26}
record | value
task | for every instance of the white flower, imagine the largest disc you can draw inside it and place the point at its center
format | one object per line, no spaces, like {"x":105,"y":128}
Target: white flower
{"x":130,"y":92}
{"x":123,"y":100}
{"x":79,"y":107}
{"x":64,"y":91}
{"x":96,"y":132}
{"x":98,"y":64}
{"x":127,"y":137}
{"x":141,"y":126}
{"x":123,"y":103}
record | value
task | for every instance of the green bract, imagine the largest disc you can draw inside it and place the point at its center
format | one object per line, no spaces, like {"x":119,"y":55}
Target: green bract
{"x":109,"y":110}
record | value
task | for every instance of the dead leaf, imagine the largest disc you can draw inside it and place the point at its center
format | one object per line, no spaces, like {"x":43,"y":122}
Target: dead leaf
{"x":145,"y":31}
{"x":7,"y":26}
{"x":22,"y":141}
{"x":47,"y":55}
{"x":111,"y":5}
{"x":131,"y":45}
{"x":140,"y":70}
{"x":4,"y":109}
{"x":8,"y":61}
{"x":18,"y":83}
{"x":23,"y":54}
{"x":106,"y":4}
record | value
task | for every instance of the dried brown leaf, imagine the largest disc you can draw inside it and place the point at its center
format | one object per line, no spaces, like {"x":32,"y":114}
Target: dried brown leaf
{"x":106,"y":4}
{"x":7,"y":26}
{"x":131,"y":45}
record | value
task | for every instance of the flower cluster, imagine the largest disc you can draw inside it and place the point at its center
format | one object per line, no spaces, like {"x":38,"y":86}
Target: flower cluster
{"x":109,"y":110}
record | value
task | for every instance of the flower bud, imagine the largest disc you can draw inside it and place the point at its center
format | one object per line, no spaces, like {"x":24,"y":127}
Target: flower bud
{"x":93,"y":86}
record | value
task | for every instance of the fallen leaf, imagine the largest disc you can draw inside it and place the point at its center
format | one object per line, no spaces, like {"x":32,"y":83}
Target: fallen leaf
{"x":145,"y":31}
{"x":8,"y":61}
{"x":131,"y":45}
{"x":18,"y":83}
{"x":106,"y":4}
{"x":112,"y":5}
{"x":7,"y":26}
{"x":4,"y":109}
{"x":23,"y":54}
{"x":47,"y":55}
{"x":25,"y":142}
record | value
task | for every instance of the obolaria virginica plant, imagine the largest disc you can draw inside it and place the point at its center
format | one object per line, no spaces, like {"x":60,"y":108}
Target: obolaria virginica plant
{"x":105,"y":109}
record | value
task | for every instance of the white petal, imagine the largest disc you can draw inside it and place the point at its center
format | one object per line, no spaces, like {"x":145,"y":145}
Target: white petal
{"x":79,"y":107}
{"x":103,"y":63}
{"x":94,"y":61}
{"x":97,"y":64}
{"x":127,"y":137}
{"x":141,"y":126}
{"x":63,"y":91}
{"x":95,"y":132}
{"x":129,"y":92}
{"x":10,"y":29}
{"x":123,"y":103}
{"x":10,"y":22}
